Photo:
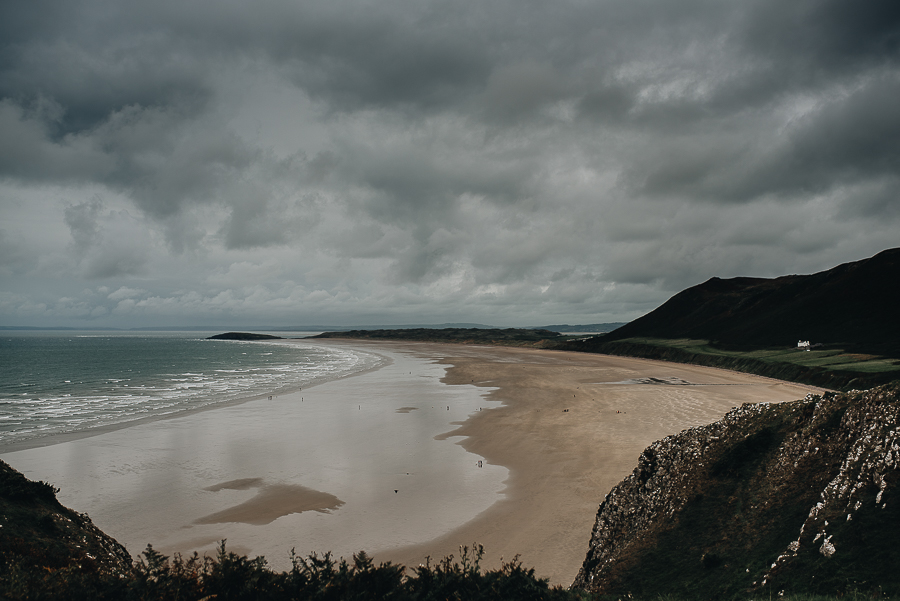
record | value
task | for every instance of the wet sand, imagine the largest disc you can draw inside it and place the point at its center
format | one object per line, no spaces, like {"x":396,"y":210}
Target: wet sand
{"x":342,"y":466}
{"x":570,"y":427}
{"x":369,"y":462}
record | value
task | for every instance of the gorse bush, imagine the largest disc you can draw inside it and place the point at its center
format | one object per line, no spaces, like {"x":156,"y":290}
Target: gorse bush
{"x":15,"y":487}
{"x":232,"y":577}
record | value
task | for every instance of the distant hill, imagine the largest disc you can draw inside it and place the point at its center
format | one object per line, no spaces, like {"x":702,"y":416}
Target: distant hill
{"x":599,"y":328}
{"x":508,"y":336}
{"x":854,"y":304}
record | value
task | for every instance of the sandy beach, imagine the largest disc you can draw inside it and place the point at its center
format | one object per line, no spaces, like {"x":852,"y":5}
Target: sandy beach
{"x":570,"y":427}
{"x":388,"y":460}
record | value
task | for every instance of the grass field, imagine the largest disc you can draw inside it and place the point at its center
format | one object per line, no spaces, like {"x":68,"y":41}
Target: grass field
{"x":830,"y":358}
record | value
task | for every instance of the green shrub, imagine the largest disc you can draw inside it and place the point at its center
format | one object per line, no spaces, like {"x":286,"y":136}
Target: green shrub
{"x":232,"y":577}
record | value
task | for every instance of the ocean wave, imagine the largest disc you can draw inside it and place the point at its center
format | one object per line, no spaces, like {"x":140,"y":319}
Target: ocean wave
{"x":150,"y":377}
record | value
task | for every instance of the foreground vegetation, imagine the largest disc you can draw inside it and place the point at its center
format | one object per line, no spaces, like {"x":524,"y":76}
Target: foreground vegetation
{"x":232,"y":577}
{"x":48,"y":551}
{"x":229,"y":576}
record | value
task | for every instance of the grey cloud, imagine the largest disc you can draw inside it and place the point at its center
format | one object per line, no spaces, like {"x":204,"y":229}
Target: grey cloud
{"x":433,"y":55}
{"x":407,"y":185}
{"x":606,"y":103}
{"x":851,"y":138}
{"x":124,"y":292}
{"x":351,"y":55}
{"x":28,"y":152}
{"x":115,"y":262}
{"x":844,"y":139}
{"x":873,"y":200}
{"x":82,"y":222}
{"x":418,"y":264}
{"x":106,"y":243}
{"x":563,"y":156}
{"x":522,"y":88}
{"x":154,"y":154}
{"x":258,"y":220}
{"x":321,"y":166}
{"x":12,"y":258}
{"x":164,"y":161}
{"x":832,"y":35}
{"x":93,"y":59}
{"x":366,"y":240}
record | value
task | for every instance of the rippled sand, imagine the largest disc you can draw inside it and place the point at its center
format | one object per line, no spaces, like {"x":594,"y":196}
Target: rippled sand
{"x":570,"y":427}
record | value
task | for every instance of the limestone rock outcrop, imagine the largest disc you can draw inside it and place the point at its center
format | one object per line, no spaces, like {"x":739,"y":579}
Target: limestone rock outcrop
{"x":795,"y":497}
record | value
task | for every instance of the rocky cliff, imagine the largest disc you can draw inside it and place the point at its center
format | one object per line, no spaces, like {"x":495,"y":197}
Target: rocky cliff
{"x":36,"y":531}
{"x":798,"y":497}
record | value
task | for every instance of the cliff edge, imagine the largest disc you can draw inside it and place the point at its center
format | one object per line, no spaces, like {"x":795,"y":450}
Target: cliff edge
{"x":37,"y":533}
{"x":798,"y":497}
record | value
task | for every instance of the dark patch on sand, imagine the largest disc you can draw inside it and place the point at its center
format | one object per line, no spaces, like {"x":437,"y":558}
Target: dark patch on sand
{"x":241,"y":484}
{"x":671,"y":381}
{"x":273,"y":501}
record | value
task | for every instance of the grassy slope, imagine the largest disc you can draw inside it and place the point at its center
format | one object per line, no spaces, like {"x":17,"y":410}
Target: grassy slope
{"x":827,"y":367}
{"x":750,"y":324}
{"x":832,"y":358}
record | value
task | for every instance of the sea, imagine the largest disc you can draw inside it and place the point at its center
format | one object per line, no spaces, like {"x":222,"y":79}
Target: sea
{"x":60,"y":382}
{"x":383,"y":442}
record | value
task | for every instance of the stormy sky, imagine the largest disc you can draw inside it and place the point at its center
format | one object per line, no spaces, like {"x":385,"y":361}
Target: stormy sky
{"x":289,"y":162}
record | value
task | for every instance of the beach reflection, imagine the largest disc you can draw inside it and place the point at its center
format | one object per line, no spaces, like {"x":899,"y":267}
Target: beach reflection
{"x":347,"y":465}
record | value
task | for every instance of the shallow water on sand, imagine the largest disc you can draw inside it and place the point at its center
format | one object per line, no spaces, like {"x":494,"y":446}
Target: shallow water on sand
{"x":343,"y":466}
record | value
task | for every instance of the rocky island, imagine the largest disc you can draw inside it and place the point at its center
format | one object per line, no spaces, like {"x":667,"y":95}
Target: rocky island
{"x":243,"y":336}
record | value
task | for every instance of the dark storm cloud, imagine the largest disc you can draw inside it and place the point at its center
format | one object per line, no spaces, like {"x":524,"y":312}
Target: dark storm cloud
{"x":824,"y":35}
{"x":844,"y":140}
{"x":82,"y":222}
{"x":528,"y":153}
{"x":853,"y":137}
{"x":92,"y":60}
{"x":96,"y":57}
{"x":105,"y":243}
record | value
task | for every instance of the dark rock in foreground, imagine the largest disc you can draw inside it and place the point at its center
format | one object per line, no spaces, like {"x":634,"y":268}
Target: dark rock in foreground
{"x":243,"y":336}
{"x":799,"y":497}
{"x":36,"y":531}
